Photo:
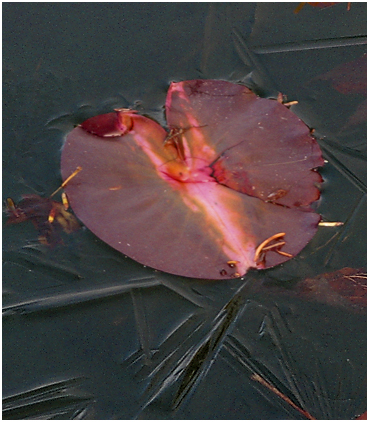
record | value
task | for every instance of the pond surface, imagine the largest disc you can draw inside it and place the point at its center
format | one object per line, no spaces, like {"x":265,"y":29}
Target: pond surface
{"x":90,"y":334}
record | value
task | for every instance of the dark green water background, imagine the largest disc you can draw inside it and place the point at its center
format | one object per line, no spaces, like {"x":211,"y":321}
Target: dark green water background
{"x":90,"y":334}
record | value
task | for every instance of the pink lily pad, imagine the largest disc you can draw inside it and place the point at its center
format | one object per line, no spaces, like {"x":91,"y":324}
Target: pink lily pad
{"x":234,"y":170}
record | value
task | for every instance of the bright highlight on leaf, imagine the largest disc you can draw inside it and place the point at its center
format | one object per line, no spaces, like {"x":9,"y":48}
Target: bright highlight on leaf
{"x":228,"y":188}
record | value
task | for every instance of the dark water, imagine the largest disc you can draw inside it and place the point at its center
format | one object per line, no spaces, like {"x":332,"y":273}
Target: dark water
{"x":90,"y":334}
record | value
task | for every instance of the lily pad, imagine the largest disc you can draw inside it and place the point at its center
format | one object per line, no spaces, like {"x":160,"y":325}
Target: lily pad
{"x":227,"y":189}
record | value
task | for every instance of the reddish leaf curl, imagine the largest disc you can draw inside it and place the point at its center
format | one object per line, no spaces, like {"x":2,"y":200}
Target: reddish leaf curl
{"x":109,"y":125}
{"x":235,"y":171}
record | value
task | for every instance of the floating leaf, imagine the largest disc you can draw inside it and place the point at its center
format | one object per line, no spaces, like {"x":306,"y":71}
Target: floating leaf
{"x":235,"y":171}
{"x":349,"y":283}
{"x":345,"y":288}
{"x":48,"y":216}
{"x":319,"y":5}
{"x":348,"y":78}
